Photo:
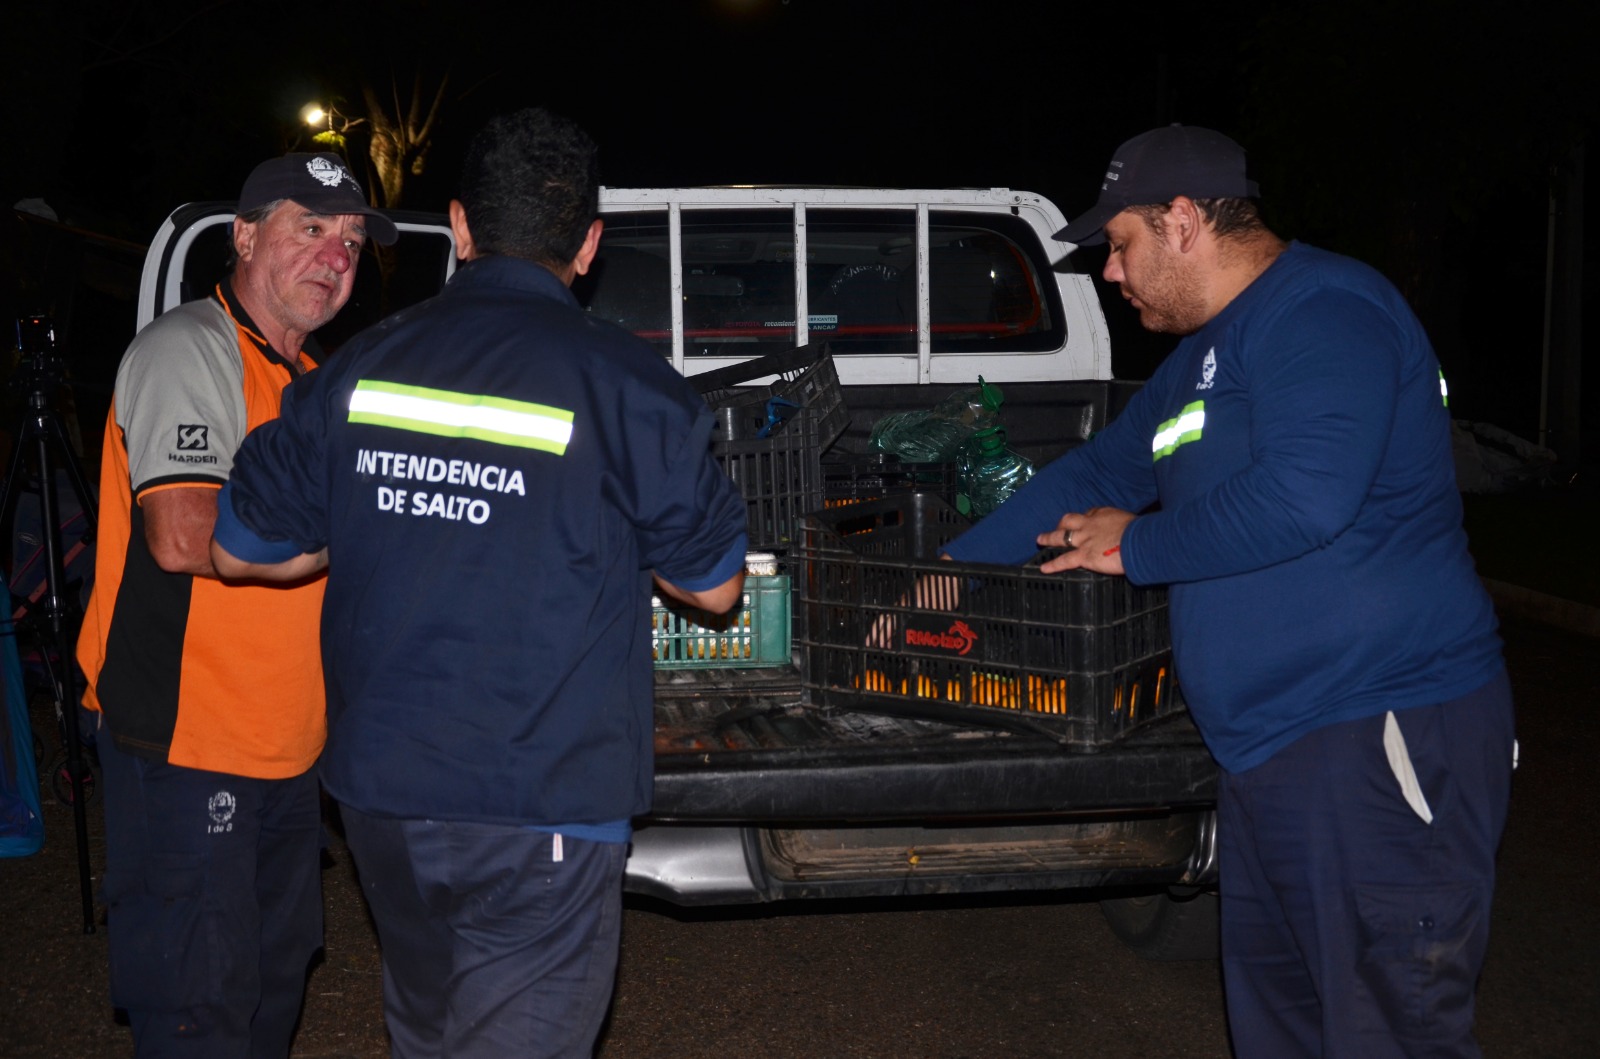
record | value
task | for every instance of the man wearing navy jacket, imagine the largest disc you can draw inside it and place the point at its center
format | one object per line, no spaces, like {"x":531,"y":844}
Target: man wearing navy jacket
{"x":493,"y":479}
{"x":1287,"y":470}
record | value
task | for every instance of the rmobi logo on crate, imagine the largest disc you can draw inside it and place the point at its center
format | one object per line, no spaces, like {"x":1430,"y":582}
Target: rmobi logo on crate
{"x":958,"y":638}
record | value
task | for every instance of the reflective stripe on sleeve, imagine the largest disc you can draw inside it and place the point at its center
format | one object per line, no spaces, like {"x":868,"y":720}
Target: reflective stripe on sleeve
{"x":1174,"y":432}
{"x":461,"y":415}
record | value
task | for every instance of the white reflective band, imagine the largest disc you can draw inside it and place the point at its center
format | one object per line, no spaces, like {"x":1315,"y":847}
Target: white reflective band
{"x":1444,"y":390}
{"x":1174,"y":432}
{"x":461,"y":415}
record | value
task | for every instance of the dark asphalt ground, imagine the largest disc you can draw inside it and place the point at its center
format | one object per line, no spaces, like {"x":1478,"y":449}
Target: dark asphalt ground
{"x":1035,"y":976}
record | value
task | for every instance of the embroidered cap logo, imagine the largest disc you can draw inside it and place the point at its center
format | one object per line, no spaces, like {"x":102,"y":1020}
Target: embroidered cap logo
{"x":328,"y":173}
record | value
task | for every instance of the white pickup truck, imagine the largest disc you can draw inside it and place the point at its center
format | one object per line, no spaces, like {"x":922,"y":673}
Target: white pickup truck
{"x":765,"y":790}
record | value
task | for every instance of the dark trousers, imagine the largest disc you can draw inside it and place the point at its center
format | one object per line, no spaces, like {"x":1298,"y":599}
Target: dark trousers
{"x":1351,"y":927}
{"x":214,"y":905}
{"x":496,"y":940}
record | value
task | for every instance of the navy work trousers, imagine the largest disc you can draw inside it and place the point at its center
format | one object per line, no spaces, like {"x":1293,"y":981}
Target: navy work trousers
{"x":1351,"y":926}
{"x":214,"y":905}
{"x":496,"y":940}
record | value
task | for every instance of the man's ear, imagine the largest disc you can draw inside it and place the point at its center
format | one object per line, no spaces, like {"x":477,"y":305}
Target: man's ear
{"x":466,"y":249}
{"x":244,"y":238}
{"x":1183,"y":223}
{"x":591,"y":246}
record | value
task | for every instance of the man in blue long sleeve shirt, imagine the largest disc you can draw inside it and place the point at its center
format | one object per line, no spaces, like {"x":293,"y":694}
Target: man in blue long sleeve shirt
{"x":1287,"y":470}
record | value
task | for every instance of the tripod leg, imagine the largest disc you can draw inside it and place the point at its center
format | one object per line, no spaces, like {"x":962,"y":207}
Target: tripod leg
{"x":62,"y":636}
{"x":75,"y":475}
{"x":64,"y":683}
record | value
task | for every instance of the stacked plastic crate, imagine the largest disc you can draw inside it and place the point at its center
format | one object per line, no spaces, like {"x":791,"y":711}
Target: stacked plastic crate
{"x":775,"y":416}
{"x":770,"y":436}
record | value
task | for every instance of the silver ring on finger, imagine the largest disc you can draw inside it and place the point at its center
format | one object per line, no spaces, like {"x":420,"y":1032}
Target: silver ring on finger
{"x":1069,"y":538}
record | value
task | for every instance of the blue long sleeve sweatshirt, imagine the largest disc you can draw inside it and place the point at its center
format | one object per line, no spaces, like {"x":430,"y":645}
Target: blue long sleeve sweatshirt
{"x":1292,"y":463}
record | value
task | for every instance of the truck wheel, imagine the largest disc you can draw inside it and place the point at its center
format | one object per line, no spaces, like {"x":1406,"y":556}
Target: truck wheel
{"x":1166,"y":925}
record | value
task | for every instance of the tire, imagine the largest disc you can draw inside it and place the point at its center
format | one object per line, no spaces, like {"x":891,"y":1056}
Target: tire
{"x":1166,"y":926}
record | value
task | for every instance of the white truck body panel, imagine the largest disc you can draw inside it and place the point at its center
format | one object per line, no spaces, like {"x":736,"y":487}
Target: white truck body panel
{"x":1083,"y":352}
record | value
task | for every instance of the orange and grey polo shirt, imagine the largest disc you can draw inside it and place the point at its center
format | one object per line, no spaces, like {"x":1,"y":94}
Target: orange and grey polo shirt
{"x":190,"y":670}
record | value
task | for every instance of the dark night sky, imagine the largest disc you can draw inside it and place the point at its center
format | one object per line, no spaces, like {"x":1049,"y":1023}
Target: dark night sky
{"x":1024,"y":94}
{"x":1404,"y":133}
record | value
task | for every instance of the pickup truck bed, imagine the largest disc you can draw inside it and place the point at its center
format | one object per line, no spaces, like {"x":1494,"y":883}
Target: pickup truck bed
{"x":761,"y":794}
{"x":760,"y":797}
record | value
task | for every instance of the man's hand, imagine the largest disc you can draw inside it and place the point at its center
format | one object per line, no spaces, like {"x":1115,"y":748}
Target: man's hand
{"x":1094,"y":537}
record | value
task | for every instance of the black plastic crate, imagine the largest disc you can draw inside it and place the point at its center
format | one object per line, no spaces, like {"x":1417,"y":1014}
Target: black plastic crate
{"x":890,"y":627}
{"x":806,"y":387}
{"x":850,"y":478}
{"x":776,"y":458}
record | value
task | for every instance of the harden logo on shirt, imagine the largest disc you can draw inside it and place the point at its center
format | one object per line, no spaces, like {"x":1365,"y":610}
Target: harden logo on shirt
{"x":193,"y":437}
{"x":193,"y":441}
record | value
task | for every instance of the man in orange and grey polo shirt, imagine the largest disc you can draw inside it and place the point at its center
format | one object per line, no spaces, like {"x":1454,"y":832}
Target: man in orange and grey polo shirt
{"x":210,"y":694}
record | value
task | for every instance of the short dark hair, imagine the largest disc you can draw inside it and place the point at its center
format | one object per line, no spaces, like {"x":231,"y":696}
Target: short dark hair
{"x":1227,"y":217}
{"x":531,"y":187}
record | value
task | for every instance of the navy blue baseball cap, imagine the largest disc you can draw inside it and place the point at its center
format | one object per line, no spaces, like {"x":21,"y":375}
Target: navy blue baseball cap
{"x":1156,"y":167}
{"x":318,"y":181}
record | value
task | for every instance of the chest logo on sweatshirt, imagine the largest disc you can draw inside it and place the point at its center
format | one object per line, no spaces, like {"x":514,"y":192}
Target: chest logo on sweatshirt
{"x":1208,"y":370}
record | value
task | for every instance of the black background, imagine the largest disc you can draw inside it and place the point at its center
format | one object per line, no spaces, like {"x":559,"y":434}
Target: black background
{"x":1418,"y":136}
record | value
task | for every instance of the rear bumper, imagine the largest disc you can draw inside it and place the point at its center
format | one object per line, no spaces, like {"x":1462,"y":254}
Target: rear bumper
{"x":710,"y":865}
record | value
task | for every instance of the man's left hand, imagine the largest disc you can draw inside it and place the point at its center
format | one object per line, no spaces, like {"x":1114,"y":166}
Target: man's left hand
{"x":1094,"y":539}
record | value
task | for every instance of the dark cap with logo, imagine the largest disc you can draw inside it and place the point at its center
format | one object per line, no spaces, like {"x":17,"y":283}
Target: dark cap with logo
{"x":1156,"y":167}
{"x":319,"y":182}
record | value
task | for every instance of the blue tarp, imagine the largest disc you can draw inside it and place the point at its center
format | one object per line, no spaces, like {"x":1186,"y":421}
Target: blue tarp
{"x":21,"y":827}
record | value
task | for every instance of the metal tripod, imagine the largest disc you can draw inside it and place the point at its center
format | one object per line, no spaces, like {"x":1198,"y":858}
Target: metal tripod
{"x":40,"y":432}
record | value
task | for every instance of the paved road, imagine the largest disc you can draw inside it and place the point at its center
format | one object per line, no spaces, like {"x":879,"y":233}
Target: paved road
{"x":1018,"y":978}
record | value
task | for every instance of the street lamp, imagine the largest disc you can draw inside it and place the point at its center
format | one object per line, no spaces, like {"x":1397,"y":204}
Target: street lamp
{"x":323,"y":120}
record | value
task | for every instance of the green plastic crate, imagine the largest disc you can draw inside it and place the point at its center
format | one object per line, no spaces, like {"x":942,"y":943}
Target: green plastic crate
{"x":756,"y":634}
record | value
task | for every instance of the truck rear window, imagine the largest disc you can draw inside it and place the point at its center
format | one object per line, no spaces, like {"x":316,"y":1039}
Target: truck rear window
{"x":861,"y":284}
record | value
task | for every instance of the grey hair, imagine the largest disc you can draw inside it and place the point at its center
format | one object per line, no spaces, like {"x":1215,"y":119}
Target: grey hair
{"x":255,"y":216}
